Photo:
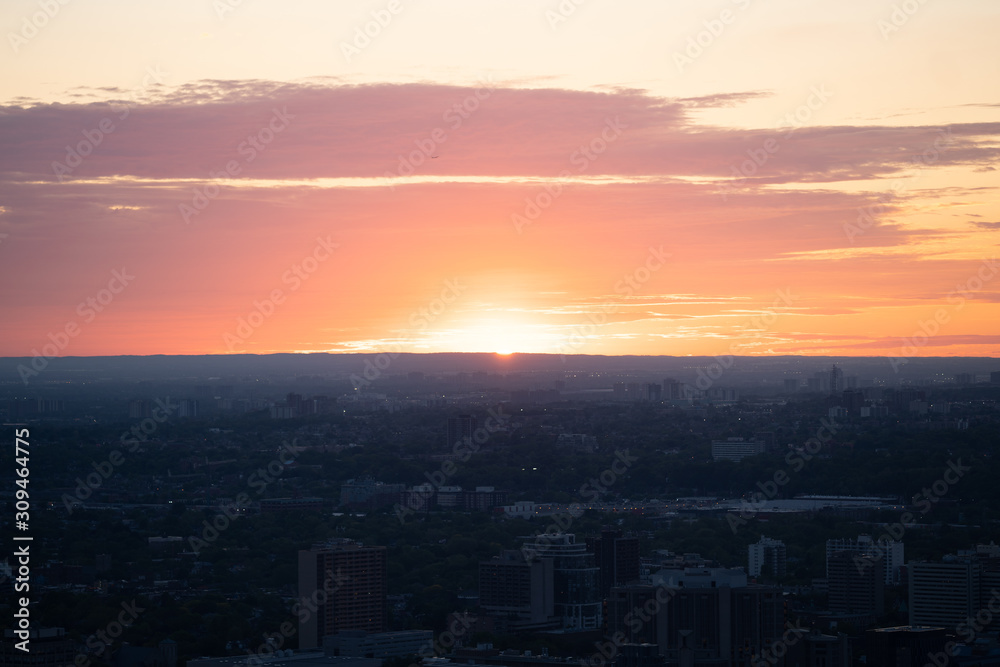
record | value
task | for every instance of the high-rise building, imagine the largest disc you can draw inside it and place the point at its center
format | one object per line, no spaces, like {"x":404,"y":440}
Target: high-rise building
{"x":704,"y":616}
{"x":575,"y":579}
{"x":552,"y":583}
{"x":852,"y":400}
{"x":672,"y":389}
{"x":617,"y":558}
{"x":944,"y":594}
{"x":633,"y":610}
{"x":856,"y":585}
{"x":889,"y":551}
{"x":518,"y":589}
{"x":187,"y":407}
{"x":139,"y":409}
{"x":347,"y":583}
{"x":836,"y":380}
{"x":460,"y":429}
{"x":767,"y":556}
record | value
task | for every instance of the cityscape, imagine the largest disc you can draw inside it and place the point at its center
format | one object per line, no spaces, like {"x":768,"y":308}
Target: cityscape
{"x":794,"y":513}
{"x":499,"y":333}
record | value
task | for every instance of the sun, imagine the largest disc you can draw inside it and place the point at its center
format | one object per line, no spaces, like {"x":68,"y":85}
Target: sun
{"x":504,"y":353}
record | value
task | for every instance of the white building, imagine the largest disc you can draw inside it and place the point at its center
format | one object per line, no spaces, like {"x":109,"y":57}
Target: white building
{"x":770,"y":552}
{"x":736,"y":449}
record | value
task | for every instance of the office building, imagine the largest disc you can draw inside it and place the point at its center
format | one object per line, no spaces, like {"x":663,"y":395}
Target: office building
{"x":699,"y":616}
{"x":944,"y":594}
{"x":617,"y":558}
{"x":856,"y":586}
{"x":551,"y":583}
{"x":672,"y":389}
{"x":381,"y":645}
{"x":460,"y":429}
{"x":347,"y":581}
{"x":139,"y":409}
{"x":633,"y":610}
{"x":736,"y":449}
{"x":518,"y":589}
{"x":836,"y":380}
{"x":575,"y":579}
{"x":889,"y":551}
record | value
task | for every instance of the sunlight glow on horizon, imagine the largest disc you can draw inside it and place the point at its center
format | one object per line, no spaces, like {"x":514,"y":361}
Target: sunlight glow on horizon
{"x":644,"y":197}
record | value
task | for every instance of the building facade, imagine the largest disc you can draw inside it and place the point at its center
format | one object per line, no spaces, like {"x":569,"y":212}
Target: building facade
{"x":346,"y":582}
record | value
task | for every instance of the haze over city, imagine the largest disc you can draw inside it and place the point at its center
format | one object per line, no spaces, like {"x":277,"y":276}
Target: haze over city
{"x":499,"y":333}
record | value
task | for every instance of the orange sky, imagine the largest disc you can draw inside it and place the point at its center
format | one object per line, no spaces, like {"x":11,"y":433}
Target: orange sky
{"x":497,"y":178}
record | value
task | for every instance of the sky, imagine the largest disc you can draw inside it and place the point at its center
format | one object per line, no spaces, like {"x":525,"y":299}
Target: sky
{"x":677,"y":177}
